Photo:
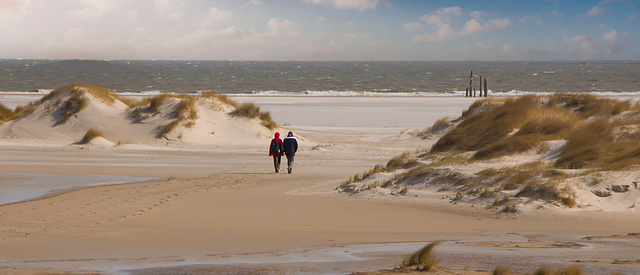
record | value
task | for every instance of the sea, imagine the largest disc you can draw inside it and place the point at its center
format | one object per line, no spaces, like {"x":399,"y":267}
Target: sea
{"x":324,"y":78}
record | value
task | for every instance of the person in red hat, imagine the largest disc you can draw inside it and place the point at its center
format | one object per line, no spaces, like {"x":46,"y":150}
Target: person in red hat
{"x":275,"y":150}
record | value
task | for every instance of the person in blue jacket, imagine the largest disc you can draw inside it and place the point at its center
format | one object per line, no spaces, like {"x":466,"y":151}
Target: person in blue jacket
{"x":290,"y":146}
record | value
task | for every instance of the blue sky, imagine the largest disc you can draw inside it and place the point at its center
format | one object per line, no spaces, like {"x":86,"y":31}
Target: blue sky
{"x":321,"y":29}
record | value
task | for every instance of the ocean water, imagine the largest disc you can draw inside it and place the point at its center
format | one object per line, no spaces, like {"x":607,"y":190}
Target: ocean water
{"x":418,"y":78}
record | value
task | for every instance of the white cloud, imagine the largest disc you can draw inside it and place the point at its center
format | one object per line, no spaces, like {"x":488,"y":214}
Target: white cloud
{"x":91,"y":9}
{"x":348,"y":4}
{"x":275,"y":26}
{"x":473,"y":26}
{"x":170,"y":9}
{"x":442,"y":16}
{"x":14,"y":6}
{"x":477,"y":14}
{"x":215,"y":15}
{"x":595,"y":11}
{"x":583,"y":46}
{"x":256,"y":3}
{"x":440,"y":37}
{"x":450,"y":11}
{"x":610,"y":37}
{"x":440,"y":19}
{"x":412,"y":26}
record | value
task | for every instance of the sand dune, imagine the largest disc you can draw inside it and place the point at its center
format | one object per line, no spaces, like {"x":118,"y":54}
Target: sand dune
{"x":220,"y":209}
{"x":64,"y":116}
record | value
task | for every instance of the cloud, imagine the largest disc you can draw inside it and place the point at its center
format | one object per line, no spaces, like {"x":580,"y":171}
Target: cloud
{"x":275,"y":26}
{"x":610,"y":37}
{"x":256,"y":3}
{"x":605,"y":46}
{"x":473,"y":26}
{"x":14,"y":6}
{"x":583,"y":46}
{"x":477,"y":14}
{"x":440,"y":37}
{"x":450,"y":11}
{"x":215,"y":15}
{"x":169,"y":9}
{"x":91,"y":9}
{"x":348,"y":4}
{"x":441,"y":19}
{"x":595,"y":11}
{"x":412,"y":26}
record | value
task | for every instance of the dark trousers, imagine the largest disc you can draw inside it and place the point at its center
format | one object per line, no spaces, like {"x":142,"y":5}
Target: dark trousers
{"x":290,"y":162}
{"x":276,"y":162}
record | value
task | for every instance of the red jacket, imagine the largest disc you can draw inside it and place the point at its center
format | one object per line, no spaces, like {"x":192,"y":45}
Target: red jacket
{"x":279,"y":141}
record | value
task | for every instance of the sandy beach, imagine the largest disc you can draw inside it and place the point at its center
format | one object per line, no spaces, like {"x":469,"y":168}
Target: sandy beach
{"x":219,"y":208}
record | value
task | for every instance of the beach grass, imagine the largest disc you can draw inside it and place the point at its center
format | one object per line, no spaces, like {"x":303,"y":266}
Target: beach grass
{"x":91,"y":134}
{"x":165,"y":129}
{"x":220,"y":97}
{"x":6,"y":114}
{"x":251,"y":111}
{"x":186,"y":109}
{"x":586,"y":132}
{"x":501,"y":270}
{"x":423,"y":259}
{"x":155,"y":102}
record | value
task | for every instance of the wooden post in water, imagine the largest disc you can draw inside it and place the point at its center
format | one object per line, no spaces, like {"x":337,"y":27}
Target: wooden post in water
{"x":486,"y":88}
{"x":466,"y":94}
{"x":480,"y":87}
{"x":471,"y":84}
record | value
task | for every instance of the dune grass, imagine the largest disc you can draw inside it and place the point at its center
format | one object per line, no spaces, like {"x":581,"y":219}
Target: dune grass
{"x":221,"y":97}
{"x":423,"y":259}
{"x":596,"y":145}
{"x":91,"y":134}
{"x":155,"y":102}
{"x":570,"y":270}
{"x":522,"y":124}
{"x":501,"y":270}
{"x":487,"y":127}
{"x":186,"y":109}
{"x":6,"y":114}
{"x":165,"y":129}
{"x":251,"y":111}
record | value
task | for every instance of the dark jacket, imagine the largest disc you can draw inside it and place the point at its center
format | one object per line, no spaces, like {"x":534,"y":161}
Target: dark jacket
{"x":290,"y":146}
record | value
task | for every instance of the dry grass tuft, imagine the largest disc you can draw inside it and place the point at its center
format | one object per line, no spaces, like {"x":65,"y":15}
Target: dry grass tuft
{"x":186,"y":109}
{"x":487,"y":127}
{"x":251,"y":111}
{"x":423,"y":259}
{"x":6,"y":114}
{"x":400,"y":162}
{"x":91,"y":134}
{"x":570,"y":270}
{"x":163,"y":130}
{"x":501,"y":270}
{"x":155,"y":102}
{"x":123,"y":142}
{"x":221,"y":97}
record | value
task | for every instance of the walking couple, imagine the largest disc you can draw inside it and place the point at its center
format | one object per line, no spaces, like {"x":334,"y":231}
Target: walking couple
{"x":288,"y":147}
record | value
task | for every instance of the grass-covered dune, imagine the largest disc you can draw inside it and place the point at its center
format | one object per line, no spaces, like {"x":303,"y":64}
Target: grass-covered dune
{"x":515,"y":151}
{"x":75,"y":109}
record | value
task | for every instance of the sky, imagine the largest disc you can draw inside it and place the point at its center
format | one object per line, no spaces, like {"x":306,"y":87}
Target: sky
{"x":320,"y":29}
